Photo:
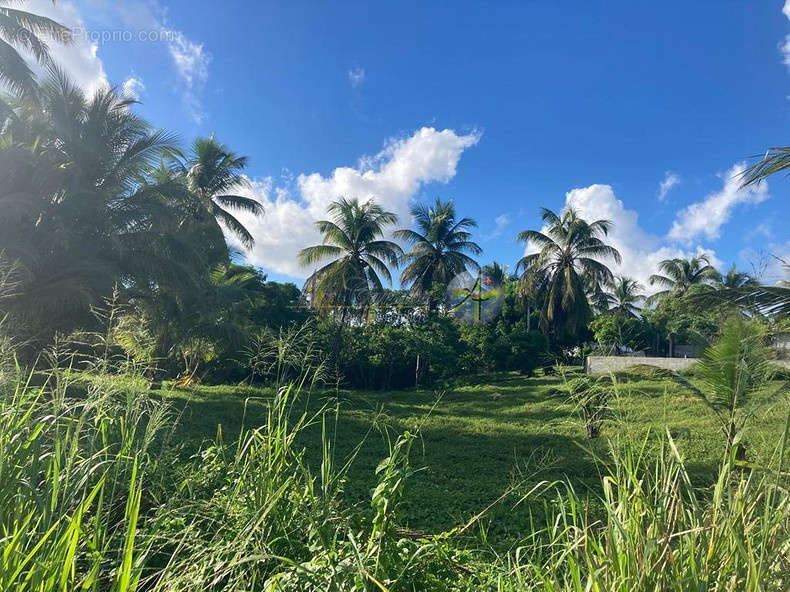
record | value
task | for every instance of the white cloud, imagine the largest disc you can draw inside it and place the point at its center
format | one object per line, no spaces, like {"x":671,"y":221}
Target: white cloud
{"x":142,"y":20}
{"x":641,"y":251}
{"x":786,"y":9}
{"x":501,"y":222}
{"x":393,"y":177}
{"x":190,"y":59}
{"x":705,"y":218}
{"x":79,"y":59}
{"x":670,"y":180}
{"x":133,"y":87}
{"x":191,"y":62}
{"x":356,"y":76}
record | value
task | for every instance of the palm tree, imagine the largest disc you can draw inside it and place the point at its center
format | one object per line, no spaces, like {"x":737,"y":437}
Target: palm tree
{"x":775,"y":160}
{"x":569,"y":252}
{"x":531,"y":291}
{"x":731,"y":373}
{"x":213,"y":173}
{"x":21,"y":30}
{"x":750,"y":294}
{"x":82,"y":212}
{"x":736,"y":280}
{"x":439,"y":248}
{"x":357,"y":253}
{"x":625,"y":296}
{"x":678,"y":275}
{"x":597,"y":295}
{"x":496,"y":273}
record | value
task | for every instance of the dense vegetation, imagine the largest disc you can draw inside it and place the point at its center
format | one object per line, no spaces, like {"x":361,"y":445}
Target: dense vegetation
{"x":108,"y":485}
{"x":172,"y":420}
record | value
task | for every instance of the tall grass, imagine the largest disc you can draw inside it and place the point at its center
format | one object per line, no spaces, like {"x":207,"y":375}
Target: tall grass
{"x":94,"y":496}
{"x":659,"y":533}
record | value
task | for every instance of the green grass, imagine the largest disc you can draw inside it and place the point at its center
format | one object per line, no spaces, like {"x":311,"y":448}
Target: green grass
{"x":484,"y":437}
{"x":94,"y":496}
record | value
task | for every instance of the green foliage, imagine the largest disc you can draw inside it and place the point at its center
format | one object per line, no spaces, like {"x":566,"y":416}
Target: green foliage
{"x":21,"y":30}
{"x":213,"y":173}
{"x":382,"y":355}
{"x":497,"y":346}
{"x":683,"y":318}
{"x":358,"y":258}
{"x":95,"y":499}
{"x":731,"y":372}
{"x":614,"y":331}
{"x":677,"y":275}
{"x":439,"y":248}
{"x":591,"y":396}
{"x":659,"y":533}
{"x":569,"y":258}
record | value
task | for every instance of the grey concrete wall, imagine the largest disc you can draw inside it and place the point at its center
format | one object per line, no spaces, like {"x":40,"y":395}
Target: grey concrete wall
{"x":607,"y":364}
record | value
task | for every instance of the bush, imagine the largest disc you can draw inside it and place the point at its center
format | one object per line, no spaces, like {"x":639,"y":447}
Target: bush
{"x":497,"y":347}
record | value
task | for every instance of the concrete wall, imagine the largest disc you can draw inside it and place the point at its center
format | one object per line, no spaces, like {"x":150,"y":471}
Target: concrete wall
{"x":607,"y":364}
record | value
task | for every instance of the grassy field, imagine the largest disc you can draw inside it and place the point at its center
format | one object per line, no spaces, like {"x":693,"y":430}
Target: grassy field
{"x":484,"y":437}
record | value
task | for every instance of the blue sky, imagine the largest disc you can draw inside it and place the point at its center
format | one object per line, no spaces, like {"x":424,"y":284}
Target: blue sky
{"x":504,"y":107}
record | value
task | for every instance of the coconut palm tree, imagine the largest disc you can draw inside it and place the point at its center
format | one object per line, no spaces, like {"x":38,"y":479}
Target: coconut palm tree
{"x":21,"y":30}
{"x":214,"y":173}
{"x":776,"y":160}
{"x":358,"y":256}
{"x":597,"y":295}
{"x":570,"y":250}
{"x":678,"y":275}
{"x":496,"y":273}
{"x":531,"y":291}
{"x":80,"y":211}
{"x":731,"y":373}
{"x":625,"y":296}
{"x":439,"y":248}
{"x":736,"y":280}
{"x":750,"y":294}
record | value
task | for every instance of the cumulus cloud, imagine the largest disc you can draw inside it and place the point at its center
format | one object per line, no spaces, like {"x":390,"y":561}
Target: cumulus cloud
{"x":356,"y":76}
{"x":670,"y":180}
{"x":133,"y":87}
{"x":705,"y":218}
{"x":393,"y":177}
{"x":79,"y":59}
{"x":641,"y":251}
